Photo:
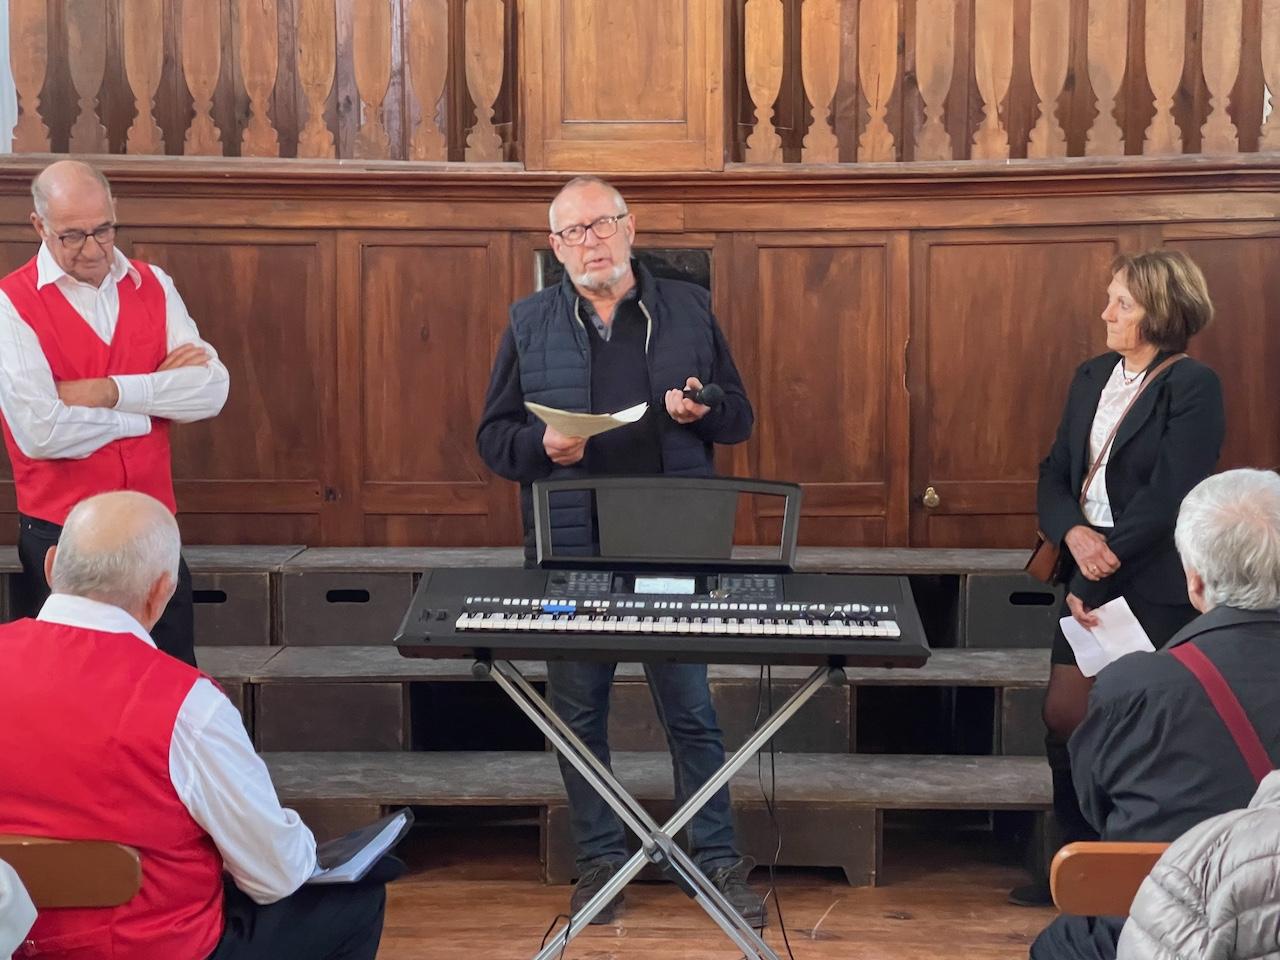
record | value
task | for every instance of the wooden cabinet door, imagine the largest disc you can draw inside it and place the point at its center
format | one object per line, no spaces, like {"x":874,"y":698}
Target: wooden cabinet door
{"x":1000,"y":320}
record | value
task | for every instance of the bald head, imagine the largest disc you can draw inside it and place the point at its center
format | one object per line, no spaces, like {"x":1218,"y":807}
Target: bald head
{"x":69,"y":183}
{"x":592,"y":187}
{"x":119,"y":548}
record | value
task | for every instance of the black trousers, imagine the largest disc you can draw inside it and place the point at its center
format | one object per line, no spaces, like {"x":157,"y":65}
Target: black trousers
{"x":338,"y":922}
{"x":174,"y":633}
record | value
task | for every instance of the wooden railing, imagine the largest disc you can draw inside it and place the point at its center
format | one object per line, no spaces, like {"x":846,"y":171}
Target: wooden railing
{"x":368,"y":79}
{"x":874,"y":81}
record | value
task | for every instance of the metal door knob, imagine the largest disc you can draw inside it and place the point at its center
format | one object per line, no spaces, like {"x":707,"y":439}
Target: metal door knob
{"x":930,"y":498}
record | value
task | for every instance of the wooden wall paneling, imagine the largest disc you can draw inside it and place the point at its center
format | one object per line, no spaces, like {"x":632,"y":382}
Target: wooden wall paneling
{"x":878,"y":72}
{"x":87,"y":39}
{"x":316,"y":47}
{"x":144,"y":63}
{"x":427,"y":59}
{"x":28,"y":59}
{"x":1050,"y":48}
{"x":1165,"y":40}
{"x":1017,"y":311}
{"x":1241,"y":263}
{"x":1108,"y":41}
{"x":993,"y":67}
{"x":1220,"y":56}
{"x":762,"y":58}
{"x":820,"y":69}
{"x":935,"y":53}
{"x":665,"y":110}
{"x":200,"y":33}
{"x":259,"y":60}
{"x":264,"y":300}
{"x":823,"y":385}
{"x":1271,"y":71}
{"x":430,"y":308}
{"x":485,"y":28}
{"x":371,"y":57}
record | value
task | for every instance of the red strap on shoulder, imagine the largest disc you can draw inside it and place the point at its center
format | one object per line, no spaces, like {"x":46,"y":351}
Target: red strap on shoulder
{"x":1227,"y":705}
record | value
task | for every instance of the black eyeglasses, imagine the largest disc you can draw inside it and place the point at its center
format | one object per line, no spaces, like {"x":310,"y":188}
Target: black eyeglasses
{"x":604,"y":228}
{"x":75,"y":239}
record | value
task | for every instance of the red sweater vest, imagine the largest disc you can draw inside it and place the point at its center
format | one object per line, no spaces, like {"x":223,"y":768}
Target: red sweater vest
{"x":86,"y":719}
{"x":48,"y":489}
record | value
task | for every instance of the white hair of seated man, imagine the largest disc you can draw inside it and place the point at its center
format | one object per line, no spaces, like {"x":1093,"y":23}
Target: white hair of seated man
{"x":115,"y":548}
{"x":1228,"y":535}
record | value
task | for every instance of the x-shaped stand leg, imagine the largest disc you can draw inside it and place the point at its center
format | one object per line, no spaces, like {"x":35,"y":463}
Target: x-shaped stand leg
{"x":656,"y":843}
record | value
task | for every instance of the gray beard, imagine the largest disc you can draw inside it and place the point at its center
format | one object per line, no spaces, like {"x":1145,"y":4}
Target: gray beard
{"x":584,"y":281}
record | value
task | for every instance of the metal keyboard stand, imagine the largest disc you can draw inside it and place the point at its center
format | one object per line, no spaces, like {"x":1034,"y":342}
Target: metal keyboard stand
{"x":657,"y":845}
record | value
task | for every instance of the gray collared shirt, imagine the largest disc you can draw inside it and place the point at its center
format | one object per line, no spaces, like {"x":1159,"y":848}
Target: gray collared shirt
{"x":587,"y":310}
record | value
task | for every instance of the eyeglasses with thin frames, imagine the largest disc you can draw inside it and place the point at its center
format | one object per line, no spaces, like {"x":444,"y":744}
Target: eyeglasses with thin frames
{"x":604,"y":228}
{"x":103,"y":235}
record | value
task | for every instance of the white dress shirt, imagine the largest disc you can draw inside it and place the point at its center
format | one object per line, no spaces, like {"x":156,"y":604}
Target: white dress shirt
{"x":218,"y":776}
{"x":17,"y":912}
{"x":1116,"y":395}
{"x":43,"y":426}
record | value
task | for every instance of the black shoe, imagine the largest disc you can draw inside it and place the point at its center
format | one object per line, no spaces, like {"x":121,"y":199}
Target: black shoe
{"x":731,"y":881}
{"x":1032,"y":895}
{"x":589,"y":884}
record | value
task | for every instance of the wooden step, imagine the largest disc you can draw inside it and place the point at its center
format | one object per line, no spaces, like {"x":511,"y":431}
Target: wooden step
{"x":946,"y":668}
{"x":885,"y":782}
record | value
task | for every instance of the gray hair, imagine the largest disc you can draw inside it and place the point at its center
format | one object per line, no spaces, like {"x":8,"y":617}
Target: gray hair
{"x":1228,"y":532}
{"x":40,"y":188}
{"x":577,"y":183}
{"x":116,"y":562}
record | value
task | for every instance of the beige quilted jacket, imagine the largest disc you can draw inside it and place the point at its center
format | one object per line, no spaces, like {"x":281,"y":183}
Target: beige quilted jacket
{"x":1215,"y":894}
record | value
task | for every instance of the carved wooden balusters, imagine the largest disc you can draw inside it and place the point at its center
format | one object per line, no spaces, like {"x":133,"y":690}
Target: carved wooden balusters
{"x":427,"y":57}
{"x":763,"y":58}
{"x":259,"y":43}
{"x":87,"y":43}
{"x":993,"y":66}
{"x":144,"y":62}
{"x":1108,"y":46}
{"x":201,"y":39}
{"x":935,"y":61}
{"x":485,"y":57}
{"x":316,"y":57}
{"x":29,"y":58}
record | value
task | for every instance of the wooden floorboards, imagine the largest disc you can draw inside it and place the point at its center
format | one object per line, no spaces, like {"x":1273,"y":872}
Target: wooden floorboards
{"x":476,"y":895}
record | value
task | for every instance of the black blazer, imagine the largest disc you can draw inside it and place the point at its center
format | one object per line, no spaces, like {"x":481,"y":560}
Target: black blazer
{"x":1167,"y":443}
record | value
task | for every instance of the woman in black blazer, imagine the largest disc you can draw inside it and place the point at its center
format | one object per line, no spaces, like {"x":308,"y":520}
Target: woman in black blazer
{"x":1120,"y":542}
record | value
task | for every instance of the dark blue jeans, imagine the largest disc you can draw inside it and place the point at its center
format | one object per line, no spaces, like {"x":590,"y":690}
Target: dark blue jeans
{"x":579,"y":692}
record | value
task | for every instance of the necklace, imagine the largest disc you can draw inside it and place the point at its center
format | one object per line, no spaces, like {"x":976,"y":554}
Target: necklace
{"x":1129,"y":380}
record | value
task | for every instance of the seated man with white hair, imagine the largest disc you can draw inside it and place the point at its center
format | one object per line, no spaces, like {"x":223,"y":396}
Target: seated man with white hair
{"x":104,"y":737}
{"x":1154,"y":755}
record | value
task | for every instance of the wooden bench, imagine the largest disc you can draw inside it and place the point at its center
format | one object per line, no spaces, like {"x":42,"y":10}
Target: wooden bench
{"x":829,"y":806}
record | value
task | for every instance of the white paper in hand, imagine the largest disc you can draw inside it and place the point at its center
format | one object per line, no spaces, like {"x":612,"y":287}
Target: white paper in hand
{"x":1117,"y":633}
{"x":585,"y":424}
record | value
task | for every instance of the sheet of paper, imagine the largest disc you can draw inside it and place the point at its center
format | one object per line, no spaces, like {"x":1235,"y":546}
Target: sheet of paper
{"x":1117,"y":633}
{"x":585,"y":424}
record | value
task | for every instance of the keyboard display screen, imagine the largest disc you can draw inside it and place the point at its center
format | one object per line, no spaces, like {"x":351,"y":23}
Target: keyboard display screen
{"x":673,"y":586}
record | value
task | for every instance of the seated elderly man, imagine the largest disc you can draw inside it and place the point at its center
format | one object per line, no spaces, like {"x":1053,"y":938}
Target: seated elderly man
{"x":104,"y":737}
{"x":1154,"y":756}
{"x":1213,"y":894}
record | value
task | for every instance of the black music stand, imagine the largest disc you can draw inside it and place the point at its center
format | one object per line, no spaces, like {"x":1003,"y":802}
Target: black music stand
{"x":672,"y":522}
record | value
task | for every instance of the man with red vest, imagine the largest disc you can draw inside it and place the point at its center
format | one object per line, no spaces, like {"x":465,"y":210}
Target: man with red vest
{"x":102,"y":737}
{"x":98,"y":355}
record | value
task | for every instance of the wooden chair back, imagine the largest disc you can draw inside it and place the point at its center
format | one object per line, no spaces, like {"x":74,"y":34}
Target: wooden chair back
{"x":73,"y":873}
{"x":1100,"y":879}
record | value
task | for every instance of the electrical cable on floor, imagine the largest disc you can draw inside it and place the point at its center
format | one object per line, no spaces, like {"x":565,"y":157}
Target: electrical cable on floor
{"x":564,"y":946}
{"x":770,"y":798}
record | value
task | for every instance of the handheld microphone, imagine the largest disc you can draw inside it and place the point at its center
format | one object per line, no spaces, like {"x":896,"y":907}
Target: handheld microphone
{"x":708,"y":395}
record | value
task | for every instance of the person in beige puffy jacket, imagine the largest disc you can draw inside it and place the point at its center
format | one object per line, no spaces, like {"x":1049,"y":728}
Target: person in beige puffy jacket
{"x":1215,"y":894}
